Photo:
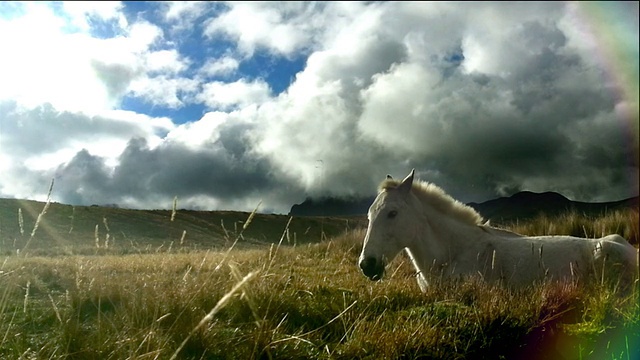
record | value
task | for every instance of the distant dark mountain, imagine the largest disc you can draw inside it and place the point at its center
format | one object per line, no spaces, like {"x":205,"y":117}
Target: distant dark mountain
{"x":330,"y":206}
{"x":526,"y":204}
{"x":522,"y":205}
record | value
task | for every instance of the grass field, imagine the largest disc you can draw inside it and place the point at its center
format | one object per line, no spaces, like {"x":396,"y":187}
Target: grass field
{"x":94,"y":230}
{"x":285,"y":299}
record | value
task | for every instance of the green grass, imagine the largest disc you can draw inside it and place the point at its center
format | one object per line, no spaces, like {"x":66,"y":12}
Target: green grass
{"x":303,"y":301}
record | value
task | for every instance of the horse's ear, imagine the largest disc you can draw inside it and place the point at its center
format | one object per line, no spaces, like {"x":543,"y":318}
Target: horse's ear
{"x":389,"y":177}
{"x":406,"y":184}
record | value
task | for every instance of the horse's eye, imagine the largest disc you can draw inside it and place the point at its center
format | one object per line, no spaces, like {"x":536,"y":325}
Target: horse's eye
{"x":392,"y":214}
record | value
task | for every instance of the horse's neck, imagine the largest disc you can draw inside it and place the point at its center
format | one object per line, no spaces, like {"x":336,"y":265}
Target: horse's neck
{"x":442,"y":240}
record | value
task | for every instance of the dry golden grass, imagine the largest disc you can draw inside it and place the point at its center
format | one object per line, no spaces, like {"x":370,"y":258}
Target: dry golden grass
{"x":297,"y":302}
{"x":622,"y":222}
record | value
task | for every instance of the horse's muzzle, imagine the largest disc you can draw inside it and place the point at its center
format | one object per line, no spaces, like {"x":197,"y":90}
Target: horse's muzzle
{"x":372,"y":268}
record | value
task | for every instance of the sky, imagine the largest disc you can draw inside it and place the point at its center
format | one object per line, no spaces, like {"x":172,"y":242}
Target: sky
{"x":230,"y":105}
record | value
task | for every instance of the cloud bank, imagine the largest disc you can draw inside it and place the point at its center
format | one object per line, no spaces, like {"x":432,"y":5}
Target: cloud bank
{"x":136,"y":106}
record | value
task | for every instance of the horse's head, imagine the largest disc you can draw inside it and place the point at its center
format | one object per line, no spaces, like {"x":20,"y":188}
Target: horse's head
{"x":392,"y":224}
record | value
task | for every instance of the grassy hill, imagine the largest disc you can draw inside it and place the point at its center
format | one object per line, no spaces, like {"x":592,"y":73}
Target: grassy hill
{"x":66,"y":229}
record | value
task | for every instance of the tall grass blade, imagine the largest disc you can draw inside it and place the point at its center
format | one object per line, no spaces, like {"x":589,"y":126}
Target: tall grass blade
{"x":20,"y":221}
{"x":238,"y":236}
{"x":40,"y":216}
{"x":219,"y":305}
{"x":173,"y":209}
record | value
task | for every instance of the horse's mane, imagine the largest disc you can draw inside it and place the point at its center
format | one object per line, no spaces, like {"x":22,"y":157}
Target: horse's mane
{"x":433,"y":195}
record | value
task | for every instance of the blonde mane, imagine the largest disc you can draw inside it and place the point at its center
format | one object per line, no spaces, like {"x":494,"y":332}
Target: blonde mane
{"x":433,"y":195}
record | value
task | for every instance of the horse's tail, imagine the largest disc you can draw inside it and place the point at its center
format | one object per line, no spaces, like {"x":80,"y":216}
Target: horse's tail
{"x":617,"y":261}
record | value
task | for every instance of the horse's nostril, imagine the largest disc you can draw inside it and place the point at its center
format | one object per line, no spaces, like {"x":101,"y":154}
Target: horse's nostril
{"x":372,"y":268}
{"x":367,"y":263}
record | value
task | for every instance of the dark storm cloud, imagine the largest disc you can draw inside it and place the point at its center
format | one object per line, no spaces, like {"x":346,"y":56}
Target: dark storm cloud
{"x":175,"y":169}
{"x":541,"y":119}
{"x":226,"y":174}
{"x":84,"y":180}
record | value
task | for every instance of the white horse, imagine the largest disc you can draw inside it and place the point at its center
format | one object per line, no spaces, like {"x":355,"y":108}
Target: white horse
{"x":445,"y":237}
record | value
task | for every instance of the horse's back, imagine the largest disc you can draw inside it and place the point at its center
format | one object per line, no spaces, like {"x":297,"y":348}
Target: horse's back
{"x":559,"y":257}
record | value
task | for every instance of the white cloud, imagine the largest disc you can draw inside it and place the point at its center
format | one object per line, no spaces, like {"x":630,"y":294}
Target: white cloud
{"x":82,"y":13}
{"x":36,"y":65}
{"x":166,"y":61}
{"x":223,"y":66}
{"x":283,"y":28}
{"x":406,"y":92}
{"x":75,"y":71}
{"x":164,"y":91}
{"x":241,"y":93}
{"x":141,"y":35}
{"x":179,"y":10}
{"x":201,"y":133}
{"x":207,"y":132}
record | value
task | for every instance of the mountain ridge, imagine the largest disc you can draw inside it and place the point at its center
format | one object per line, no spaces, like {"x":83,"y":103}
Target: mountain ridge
{"x":519,"y":206}
{"x":526,"y":204}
